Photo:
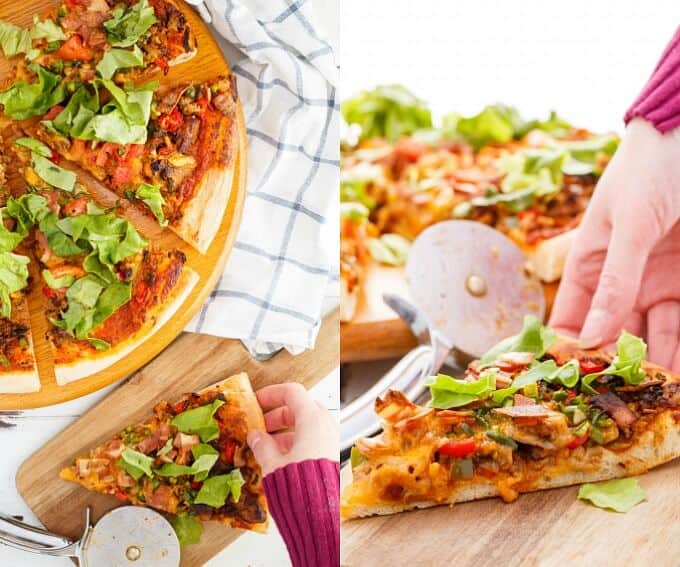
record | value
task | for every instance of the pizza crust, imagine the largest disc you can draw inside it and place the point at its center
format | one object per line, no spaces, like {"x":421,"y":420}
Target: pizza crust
{"x":67,"y":373}
{"x":21,"y":381}
{"x":547,"y":260}
{"x":203,"y":215}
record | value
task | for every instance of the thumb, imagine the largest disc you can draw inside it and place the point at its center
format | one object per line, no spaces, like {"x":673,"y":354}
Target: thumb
{"x":617,"y":288}
{"x":265,"y":449}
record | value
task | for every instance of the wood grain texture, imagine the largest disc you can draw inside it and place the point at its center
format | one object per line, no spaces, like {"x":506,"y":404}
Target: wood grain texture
{"x":376,"y":333}
{"x":192,"y":362}
{"x":546,"y":529}
{"x":208,"y":63}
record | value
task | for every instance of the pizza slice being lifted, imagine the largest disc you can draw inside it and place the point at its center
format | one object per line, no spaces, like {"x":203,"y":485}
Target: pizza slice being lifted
{"x":535,"y":412}
{"x":176,"y":160}
{"x":189,"y":459}
{"x":107,"y":290}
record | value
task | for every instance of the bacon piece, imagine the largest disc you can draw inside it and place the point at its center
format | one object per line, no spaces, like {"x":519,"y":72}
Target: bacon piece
{"x":615,"y":408}
{"x":521,"y":400}
{"x":511,"y":361}
{"x":114,"y":449}
{"x":528,"y":410}
{"x":124,"y":480}
{"x":162,"y":499}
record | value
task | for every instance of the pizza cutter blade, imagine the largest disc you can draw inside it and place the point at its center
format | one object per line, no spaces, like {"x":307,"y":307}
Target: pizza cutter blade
{"x":128,"y":536}
{"x":471,"y":282}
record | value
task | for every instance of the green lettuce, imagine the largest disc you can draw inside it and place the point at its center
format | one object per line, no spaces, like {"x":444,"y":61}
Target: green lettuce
{"x":46,"y":29}
{"x":115,"y":59}
{"x":152,"y":198}
{"x":13,"y":278}
{"x":52,"y":173}
{"x":391,"y":249}
{"x":13,"y":39}
{"x":200,"y":468}
{"x":496,"y":124}
{"x":199,"y":421}
{"x":23,"y":100}
{"x":57,"y":283}
{"x":27,"y":210}
{"x":136,"y":464}
{"x":448,"y":392}
{"x":187,"y":528}
{"x":630,"y":353}
{"x":354,"y":211}
{"x":389,"y":111}
{"x":129,"y":23}
{"x":217,"y":489}
{"x":539,"y":372}
{"x":34,"y":145}
{"x":619,"y":495}
{"x":534,"y":338}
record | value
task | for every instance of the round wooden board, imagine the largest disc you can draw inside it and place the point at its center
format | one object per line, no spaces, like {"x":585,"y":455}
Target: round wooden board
{"x":208,"y":63}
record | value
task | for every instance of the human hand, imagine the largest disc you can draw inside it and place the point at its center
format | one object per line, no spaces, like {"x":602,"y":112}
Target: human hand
{"x":299,"y":428}
{"x":622,"y":271}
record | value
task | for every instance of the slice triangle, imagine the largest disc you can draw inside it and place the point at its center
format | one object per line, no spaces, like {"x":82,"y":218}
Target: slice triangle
{"x":534,"y":413}
{"x":189,"y":458}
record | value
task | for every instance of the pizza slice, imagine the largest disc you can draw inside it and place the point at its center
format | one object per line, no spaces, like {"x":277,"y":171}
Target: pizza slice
{"x":85,"y":40}
{"x":189,"y":459}
{"x":177,"y":160}
{"x":534,"y":412}
{"x":107,"y":289}
{"x":18,"y":371}
{"x":353,"y":256}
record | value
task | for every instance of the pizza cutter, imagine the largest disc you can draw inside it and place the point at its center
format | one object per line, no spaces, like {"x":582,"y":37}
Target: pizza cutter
{"x":470,"y":289}
{"x":129,"y":536}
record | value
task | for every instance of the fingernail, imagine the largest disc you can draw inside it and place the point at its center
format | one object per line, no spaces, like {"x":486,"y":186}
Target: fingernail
{"x":253,"y":438}
{"x":591,"y":334}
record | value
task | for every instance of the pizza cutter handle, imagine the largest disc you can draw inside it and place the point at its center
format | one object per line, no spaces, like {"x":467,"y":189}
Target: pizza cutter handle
{"x":32,"y":539}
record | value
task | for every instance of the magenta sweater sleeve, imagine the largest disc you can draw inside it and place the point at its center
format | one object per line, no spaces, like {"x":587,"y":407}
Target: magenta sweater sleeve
{"x":659,"y":101}
{"x":304,"y":500}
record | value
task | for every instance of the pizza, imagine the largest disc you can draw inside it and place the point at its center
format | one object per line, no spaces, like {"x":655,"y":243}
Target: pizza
{"x":354,"y":256}
{"x":535,"y":412}
{"x":106,"y":290}
{"x":81,"y":41}
{"x":531,"y":181}
{"x":182,"y":172}
{"x":190,"y":459}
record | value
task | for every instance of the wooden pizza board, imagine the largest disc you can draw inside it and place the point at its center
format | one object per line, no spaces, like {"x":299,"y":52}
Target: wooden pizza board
{"x":376,"y":333}
{"x":208,"y":63}
{"x":548,"y":528}
{"x":189,"y":364}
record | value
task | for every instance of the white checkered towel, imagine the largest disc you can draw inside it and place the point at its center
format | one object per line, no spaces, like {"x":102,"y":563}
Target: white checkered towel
{"x":271,"y":292}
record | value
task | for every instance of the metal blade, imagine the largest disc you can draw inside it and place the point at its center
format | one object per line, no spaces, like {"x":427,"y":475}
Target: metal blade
{"x":410,"y":315}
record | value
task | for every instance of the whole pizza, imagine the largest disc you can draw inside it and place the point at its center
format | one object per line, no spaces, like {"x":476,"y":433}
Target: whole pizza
{"x":82,"y":106}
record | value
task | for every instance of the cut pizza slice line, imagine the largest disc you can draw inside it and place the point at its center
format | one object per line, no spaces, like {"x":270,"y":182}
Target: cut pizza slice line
{"x":181,"y":171}
{"x":535,"y":412}
{"x":79,"y":42}
{"x":190,"y":458}
{"x":105,"y":288}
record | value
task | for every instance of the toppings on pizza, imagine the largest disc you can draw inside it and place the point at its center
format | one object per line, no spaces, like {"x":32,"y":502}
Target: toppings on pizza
{"x":528,"y":415}
{"x":190,"y":459}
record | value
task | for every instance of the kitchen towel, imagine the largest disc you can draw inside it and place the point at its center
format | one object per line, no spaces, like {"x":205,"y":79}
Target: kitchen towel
{"x":273,"y":288}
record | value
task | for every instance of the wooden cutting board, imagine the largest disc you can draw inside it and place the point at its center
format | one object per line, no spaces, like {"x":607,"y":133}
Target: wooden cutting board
{"x":190,"y":363}
{"x":208,"y":63}
{"x":375,"y":332}
{"x":548,"y":528}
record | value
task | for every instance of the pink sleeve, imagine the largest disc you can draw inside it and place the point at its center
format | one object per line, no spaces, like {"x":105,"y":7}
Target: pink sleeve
{"x":659,"y":101}
{"x":304,"y":500}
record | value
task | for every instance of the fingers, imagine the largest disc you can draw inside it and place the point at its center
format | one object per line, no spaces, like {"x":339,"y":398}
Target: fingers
{"x":279,"y":418}
{"x":635,"y":323}
{"x":265,"y":449}
{"x":284,"y":441}
{"x":290,"y":394}
{"x":617,"y":288}
{"x":663,"y":329}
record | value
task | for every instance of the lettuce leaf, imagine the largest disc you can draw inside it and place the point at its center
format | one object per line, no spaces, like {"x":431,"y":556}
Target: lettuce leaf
{"x":496,"y":124}
{"x":134,"y":463}
{"x":27,"y":210}
{"x":630,"y":353}
{"x":152,"y":198}
{"x":116,"y":59}
{"x":389,"y":111}
{"x":539,"y":372}
{"x":533,"y":337}
{"x":619,"y":495}
{"x":53,"y":174}
{"x":199,"y":421}
{"x":187,"y":528}
{"x":199,"y":469}
{"x":217,"y":489}
{"x":46,"y":29}
{"x":448,"y":392}
{"x":13,"y":39}
{"x":13,"y":278}
{"x":57,"y":283}
{"x":34,"y":145}
{"x":391,"y":249}
{"x":23,"y":100}
{"x":129,"y":23}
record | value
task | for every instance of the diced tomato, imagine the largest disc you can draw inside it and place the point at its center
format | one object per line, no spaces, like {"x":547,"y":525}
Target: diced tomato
{"x":578,"y":441}
{"x":228,"y":452}
{"x":602,"y":389}
{"x":121,"y":496}
{"x":53,"y":112}
{"x":196,"y":485}
{"x":590,"y":366}
{"x":49,"y":292}
{"x":76,"y":207}
{"x":203,"y":103}
{"x":571,"y":394}
{"x":409,"y":149}
{"x":122,"y":174}
{"x":179,"y":407}
{"x":105,"y":153}
{"x":55,"y":157}
{"x":161,"y":63}
{"x":459,"y":448}
{"x":171,"y":121}
{"x":73,"y":49}
{"x":133,"y":151}
{"x":70,"y":4}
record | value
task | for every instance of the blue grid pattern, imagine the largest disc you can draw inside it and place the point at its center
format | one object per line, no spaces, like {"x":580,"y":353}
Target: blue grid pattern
{"x":272,"y":291}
